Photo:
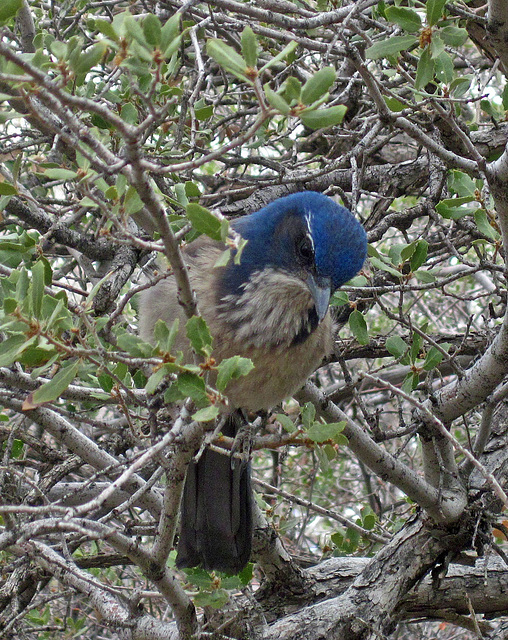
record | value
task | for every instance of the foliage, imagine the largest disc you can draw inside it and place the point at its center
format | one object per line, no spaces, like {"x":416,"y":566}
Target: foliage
{"x":130,"y":127}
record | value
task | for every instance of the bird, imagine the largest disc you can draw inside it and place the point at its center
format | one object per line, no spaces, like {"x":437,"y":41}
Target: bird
{"x":272,"y":307}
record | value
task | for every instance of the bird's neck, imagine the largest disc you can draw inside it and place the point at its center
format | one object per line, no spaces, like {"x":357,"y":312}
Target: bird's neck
{"x":274,"y":308}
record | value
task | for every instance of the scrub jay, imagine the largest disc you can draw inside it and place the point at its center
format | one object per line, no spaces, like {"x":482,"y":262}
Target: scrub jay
{"x":272,"y":307}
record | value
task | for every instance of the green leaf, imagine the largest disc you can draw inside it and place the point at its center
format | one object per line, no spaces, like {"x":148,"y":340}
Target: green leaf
{"x":60,"y":174}
{"x":357,"y":281}
{"x":207,"y":414}
{"x":460,"y":86}
{"x":504,"y":97}
{"x":17,"y":448}
{"x":164,"y":337}
{"x":347,"y":542}
{"x":275,"y":100}
{"x":394,"y":104}
{"x":4,"y":201}
{"x":339,"y":299}
{"x":192,"y":386}
{"x":129,"y":113}
{"x":106,"y":382}
{"x":325,"y":454}
{"x":246,"y":574}
{"x":106,"y":28}
{"x":22,"y":285}
{"x":445,"y":68}
{"x":38,"y":283}
{"x":216,"y":599}
{"x":227,"y":57}
{"x":410,"y":382}
{"x":293,"y":89}
{"x":55,"y":314}
{"x":199,"y":335}
{"x":11,"y":348}
{"x":420,"y":254}
{"x":170,"y":31}
{"x":432,"y":359}
{"x":308,"y":413}
{"x":249,"y":44}
{"x":288,"y":50}
{"x":381,"y":264}
{"x":223,"y":259}
{"x":192,"y":190}
{"x":369,"y":521}
{"x":7,"y":189}
{"x":424,"y":276}
{"x":416,"y":346}
{"x":407,"y":251}
{"x":484,"y":225}
{"x":204,"y":221}
{"x":321,"y":118}
{"x":132,"y":202}
{"x":152,"y":30}
{"x":462,"y":184}
{"x":90,"y":58}
{"x":130,"y":28}
{"x":434,"y":10}
{"x":286,"y":422}
{"x":358,"y":327}
{"x":320,"y":432}
{"x":36,"y":355}
{"x":155,"y":379}
{"x":487,"y":106}
{"x":453,"y":208}
{"x":231,"y":369}
{"x":437,"y":46}
{"x":424,"y":70}
{"x":390,"y":47}
{"x":134,"y":345}
{"x":395,"y":253}
{"x":317,"y":85}
{"x":396,"y":346}
{"x":8,"y":9}
{"x":53,"y":389}
{"x":204,"y":113}
{"x":454,"y":36}
{"x":407,"y":19}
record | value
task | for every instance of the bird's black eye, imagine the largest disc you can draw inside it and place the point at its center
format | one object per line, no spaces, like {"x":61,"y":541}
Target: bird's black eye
{"x":305,"y":250}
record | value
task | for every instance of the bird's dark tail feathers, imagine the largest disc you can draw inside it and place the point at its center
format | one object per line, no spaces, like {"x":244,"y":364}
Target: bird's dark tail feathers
{"x":216,"y":511}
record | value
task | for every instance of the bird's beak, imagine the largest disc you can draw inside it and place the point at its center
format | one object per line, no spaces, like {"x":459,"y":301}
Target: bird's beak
{"x":321,"y":290}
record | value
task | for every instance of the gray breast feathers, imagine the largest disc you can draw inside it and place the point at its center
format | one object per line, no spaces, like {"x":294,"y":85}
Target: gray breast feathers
{"x":269,"y":321}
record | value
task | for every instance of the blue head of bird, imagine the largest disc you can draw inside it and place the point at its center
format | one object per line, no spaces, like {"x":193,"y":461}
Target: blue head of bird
{"x":305,"y":236}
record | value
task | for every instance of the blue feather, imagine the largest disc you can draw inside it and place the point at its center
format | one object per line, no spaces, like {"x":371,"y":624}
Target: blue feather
{"x":339,"y":240}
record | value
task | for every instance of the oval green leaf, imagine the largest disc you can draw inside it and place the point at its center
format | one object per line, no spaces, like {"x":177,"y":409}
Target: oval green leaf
{"x":53,"y":389}
{"x":275,"y":100}
{"x":434,"y":10}
{"x":231,"y":369}
{"x":407,"y":19}
{"x":249,"y":44}
{"x":424,"y":70}
{"x":390,"y":47}
{"x":396,"y":346}
{"x":152,"y":30}
{"x":204,"y":221}
{"x":9,"y":8}
{"x":454,"y":36}
{"x":358,"y":327}
{"x":227,"y":57}
{"x":317,"y":85}
{"x":321,"y":118}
